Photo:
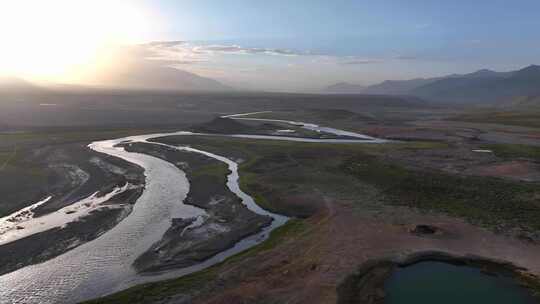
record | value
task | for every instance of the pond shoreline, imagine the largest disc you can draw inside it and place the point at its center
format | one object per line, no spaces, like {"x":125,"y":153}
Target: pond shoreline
{"x":367,"y":283}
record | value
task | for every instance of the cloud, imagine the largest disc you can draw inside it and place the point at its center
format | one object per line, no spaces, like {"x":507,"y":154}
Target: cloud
{"x":188,"y":48}
{"x":361,"y":61}
{"x":235,"y":49}
{"x":166,"y":43}
{"x":184,"y":53}
{"x":190,"y":53}
{"x":405,"y":57}
{"x":172,"y":53}
{"x":232,"y":63}
{"x":185,"y":62}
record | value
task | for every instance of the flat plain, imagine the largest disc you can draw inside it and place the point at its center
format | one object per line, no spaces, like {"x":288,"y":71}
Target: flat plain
{"x":450,"y":180}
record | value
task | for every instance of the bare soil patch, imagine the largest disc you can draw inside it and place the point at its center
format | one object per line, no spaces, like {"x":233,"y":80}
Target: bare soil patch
{"x":516,"y":170}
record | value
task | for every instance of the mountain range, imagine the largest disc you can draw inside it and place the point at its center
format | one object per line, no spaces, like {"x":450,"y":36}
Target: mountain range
{"x":14,"y":84}
{"x":483,"y":86}
{"x":135,"y":76}
{"x":146,"y":75}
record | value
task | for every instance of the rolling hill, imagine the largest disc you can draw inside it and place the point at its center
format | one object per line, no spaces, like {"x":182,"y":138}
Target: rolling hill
{"x":145,"y":75}
{"x":17,"y":85}
{"x":344,"y":88}
{"x":398,"y":87}
{"x":483,"y":86}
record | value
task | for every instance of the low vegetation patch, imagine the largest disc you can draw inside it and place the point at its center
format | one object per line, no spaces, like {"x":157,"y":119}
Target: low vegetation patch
{"x":525,"y":119}
{"x":514,"y":151}
{"x":487,"y":201}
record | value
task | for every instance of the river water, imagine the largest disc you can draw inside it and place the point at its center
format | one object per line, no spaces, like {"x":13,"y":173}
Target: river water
{"x":103,"y":266}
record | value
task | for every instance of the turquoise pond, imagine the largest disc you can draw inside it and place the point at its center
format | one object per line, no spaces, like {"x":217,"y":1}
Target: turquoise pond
{"x":442,"y":283}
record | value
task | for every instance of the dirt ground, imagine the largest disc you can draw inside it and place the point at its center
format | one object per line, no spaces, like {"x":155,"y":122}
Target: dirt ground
{"x":309,"y":268}
{"x":349,"y":223}
{"x":517,"y":170}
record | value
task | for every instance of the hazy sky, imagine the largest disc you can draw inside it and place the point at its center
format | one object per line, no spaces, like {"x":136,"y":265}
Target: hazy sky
{"x":354,"y":40}
{"x":308,"y":44}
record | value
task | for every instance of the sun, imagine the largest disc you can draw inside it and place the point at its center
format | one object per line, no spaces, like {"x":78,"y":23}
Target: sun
{"x":56,"y":40}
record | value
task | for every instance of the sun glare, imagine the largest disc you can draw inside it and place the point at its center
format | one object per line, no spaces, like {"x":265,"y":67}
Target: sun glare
{"x":57,"y":40}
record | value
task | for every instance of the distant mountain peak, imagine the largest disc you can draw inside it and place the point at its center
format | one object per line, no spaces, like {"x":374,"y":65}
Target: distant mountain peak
{"x":344,"y":88}
{"x":10,"y":83}
{"x":343,"y":83}
{"x":528,"y":72}
{"x":10,"y":80}
{"x":152,"y":75}
{"x":531,"y":68}
{"x":481,"y":86}
{"x":484,"y":71}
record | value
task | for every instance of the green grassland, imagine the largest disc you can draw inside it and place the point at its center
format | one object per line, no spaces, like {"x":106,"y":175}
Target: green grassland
{"x":509,"y":151}
{"x":276,"y":168}
{"x":513,"y":118}
{"x":490,"y":202}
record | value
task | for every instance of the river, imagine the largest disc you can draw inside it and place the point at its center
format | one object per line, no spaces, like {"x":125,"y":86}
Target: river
{"x":104,"y":265}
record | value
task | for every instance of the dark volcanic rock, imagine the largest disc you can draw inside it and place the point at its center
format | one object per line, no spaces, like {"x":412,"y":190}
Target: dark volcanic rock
{"x":424,"y":229}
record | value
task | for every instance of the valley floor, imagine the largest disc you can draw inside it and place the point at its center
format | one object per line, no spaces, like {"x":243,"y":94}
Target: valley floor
{"x":464,"y":187}
{"x":359,"y":203}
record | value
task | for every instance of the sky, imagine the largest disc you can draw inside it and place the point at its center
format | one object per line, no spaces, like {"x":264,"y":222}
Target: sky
{"x":279,"y":45}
